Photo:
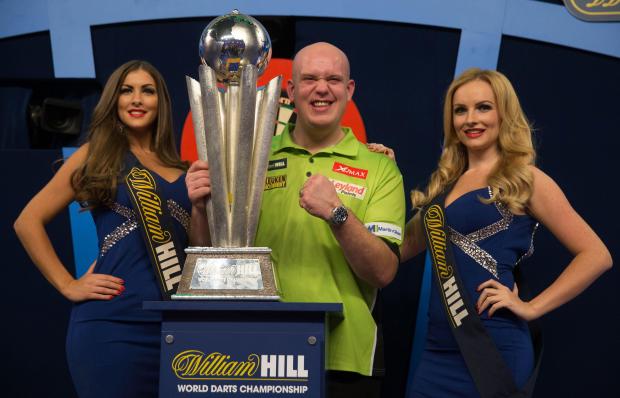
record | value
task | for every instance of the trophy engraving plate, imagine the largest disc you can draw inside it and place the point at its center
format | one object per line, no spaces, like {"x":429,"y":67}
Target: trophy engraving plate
{"x":227,"y":274}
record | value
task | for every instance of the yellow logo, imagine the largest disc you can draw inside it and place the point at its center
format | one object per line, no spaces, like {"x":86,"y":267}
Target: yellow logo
{"x":150,"y":204}
{"x":196,"y":365}
{"x":434,"y":221}
{"x":272,"y":182}
{"x":594,"y":10}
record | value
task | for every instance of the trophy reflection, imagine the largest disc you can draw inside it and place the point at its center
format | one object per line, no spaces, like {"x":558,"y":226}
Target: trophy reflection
{"x":233,"y":124}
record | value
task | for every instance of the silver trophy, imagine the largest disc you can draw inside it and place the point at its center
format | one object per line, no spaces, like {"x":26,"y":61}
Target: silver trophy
{"x":233,"y":123}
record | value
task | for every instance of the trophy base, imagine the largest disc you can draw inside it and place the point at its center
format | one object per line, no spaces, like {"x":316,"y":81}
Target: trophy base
{"x":227,"y":273}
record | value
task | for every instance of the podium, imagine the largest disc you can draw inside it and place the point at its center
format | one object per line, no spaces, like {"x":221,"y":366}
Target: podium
{"x":242,"y":348}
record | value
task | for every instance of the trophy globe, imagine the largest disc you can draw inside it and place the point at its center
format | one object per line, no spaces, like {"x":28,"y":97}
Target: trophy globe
{"x":232,"y":41}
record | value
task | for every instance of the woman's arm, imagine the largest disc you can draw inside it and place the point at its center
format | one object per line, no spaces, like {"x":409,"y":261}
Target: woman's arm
{"x":413,"y":241}
{"x":549,"y":205}
{"x":30,"y":229}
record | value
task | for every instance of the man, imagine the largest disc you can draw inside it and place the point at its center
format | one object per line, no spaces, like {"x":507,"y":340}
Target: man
{"x":324,"y":193}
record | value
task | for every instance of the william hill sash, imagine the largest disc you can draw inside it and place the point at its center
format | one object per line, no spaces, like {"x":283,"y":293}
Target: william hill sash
{"x":156,"y":227}
{"x":491,"y":376}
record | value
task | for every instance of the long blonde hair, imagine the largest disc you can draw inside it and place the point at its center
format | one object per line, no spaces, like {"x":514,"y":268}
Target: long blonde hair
{"x":511,"y":179}
{"x":96,"y":180}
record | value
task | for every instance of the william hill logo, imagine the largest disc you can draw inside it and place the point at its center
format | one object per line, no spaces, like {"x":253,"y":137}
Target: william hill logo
{"x":196,"y":365}
{"x":434,"y":221}
{"x":594,"y":10}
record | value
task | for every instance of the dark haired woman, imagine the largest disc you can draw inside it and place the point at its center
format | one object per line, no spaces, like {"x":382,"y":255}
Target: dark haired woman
{"x":112,"y":344}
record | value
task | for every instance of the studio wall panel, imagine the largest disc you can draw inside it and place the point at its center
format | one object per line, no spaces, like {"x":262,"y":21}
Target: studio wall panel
{"x":570,"y":97}
{"x":35,"y":315}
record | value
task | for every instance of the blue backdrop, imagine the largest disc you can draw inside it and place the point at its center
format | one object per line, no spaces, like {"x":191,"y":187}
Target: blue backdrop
{"x":403,"y":56}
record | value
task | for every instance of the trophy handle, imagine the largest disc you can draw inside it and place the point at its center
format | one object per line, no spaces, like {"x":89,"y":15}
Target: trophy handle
{"x":195,"y":103}
{"x":266,"y":113}
{"x":214,"y":129}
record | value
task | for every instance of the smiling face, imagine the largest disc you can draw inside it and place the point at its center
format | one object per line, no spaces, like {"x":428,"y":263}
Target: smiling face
{"x":320,"y":87}
{"x":138,"y":101}
{"x":475,"y":116}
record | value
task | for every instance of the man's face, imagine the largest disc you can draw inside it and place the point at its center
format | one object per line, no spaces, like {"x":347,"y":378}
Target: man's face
{"x":320,"y":87}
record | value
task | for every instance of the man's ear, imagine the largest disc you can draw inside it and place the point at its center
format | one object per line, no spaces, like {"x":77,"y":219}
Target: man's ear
{"x":350,"y":89}
{"x":290,"y":90}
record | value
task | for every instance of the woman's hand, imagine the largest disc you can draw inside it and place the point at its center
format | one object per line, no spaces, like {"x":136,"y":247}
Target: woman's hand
{"x":389,"y":152}
{"x":494,"y":295}
{"x":93,"y":286}
{"x":198,"y":182}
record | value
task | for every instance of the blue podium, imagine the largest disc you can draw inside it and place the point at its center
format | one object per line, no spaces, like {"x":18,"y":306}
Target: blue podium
{"x":242,"y":348}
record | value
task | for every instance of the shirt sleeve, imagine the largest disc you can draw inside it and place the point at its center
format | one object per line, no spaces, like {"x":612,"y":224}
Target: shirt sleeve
{"x":385,"y":214}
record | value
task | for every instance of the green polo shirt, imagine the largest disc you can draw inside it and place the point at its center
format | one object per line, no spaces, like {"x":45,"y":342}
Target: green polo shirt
{"x":308,"y":260}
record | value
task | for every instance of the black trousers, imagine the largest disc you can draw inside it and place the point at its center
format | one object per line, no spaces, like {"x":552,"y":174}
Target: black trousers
{"x":352,"y":385}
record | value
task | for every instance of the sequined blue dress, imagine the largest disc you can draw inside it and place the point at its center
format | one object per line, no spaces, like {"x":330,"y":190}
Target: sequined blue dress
{"x":488,"y":241}
{"x":113,"y":345}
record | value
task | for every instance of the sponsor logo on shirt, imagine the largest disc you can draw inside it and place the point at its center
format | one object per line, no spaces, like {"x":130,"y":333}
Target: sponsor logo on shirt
{"x":346,"y":188}
{"x":385,"y":229}
{"x":276,"y":164}
{"x":350,"y":171}
{"x":272,"y":182}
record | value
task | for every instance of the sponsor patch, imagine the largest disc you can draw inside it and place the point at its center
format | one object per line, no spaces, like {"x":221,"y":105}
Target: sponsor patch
{"x":346,"y":188}
{"x":350,"y":171}
{"x":277,"y":164}
{"x":385,"y":229}
{"x":272,"y":182}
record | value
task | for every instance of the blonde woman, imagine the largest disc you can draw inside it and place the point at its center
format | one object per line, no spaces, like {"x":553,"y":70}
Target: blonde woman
{"x":477,"y":219}
{"x":112,"y":344}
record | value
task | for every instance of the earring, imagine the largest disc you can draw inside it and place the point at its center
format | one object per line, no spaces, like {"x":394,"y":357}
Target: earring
{"x":121,"y":128}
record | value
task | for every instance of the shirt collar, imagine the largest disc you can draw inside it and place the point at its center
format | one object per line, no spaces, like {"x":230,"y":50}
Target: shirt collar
{"x":348,"y":146}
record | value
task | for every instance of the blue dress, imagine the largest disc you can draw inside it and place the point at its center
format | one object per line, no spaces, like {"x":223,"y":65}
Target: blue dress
{"x":113,"y":345}
{"x":488,"y":242}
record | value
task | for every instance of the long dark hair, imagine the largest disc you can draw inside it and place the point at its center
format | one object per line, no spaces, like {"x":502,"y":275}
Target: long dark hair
{"x":96,"y":180}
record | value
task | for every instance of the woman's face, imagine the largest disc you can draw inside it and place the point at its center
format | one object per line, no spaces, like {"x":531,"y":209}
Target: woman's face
{"x":475,"y":117}
{"x":137,"y":102}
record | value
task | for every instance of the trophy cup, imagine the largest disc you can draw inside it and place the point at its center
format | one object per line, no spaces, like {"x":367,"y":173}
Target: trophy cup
{"x":233,"y":124}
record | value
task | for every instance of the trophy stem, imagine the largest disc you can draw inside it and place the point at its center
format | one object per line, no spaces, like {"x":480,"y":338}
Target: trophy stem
{"x":211,"y":105}
{"x":241,"y":108}
{"x":231,"y":147}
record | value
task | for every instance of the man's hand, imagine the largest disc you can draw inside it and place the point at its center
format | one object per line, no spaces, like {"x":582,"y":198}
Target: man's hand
{"x":198,"y":182}
{"x":318,"y":197}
